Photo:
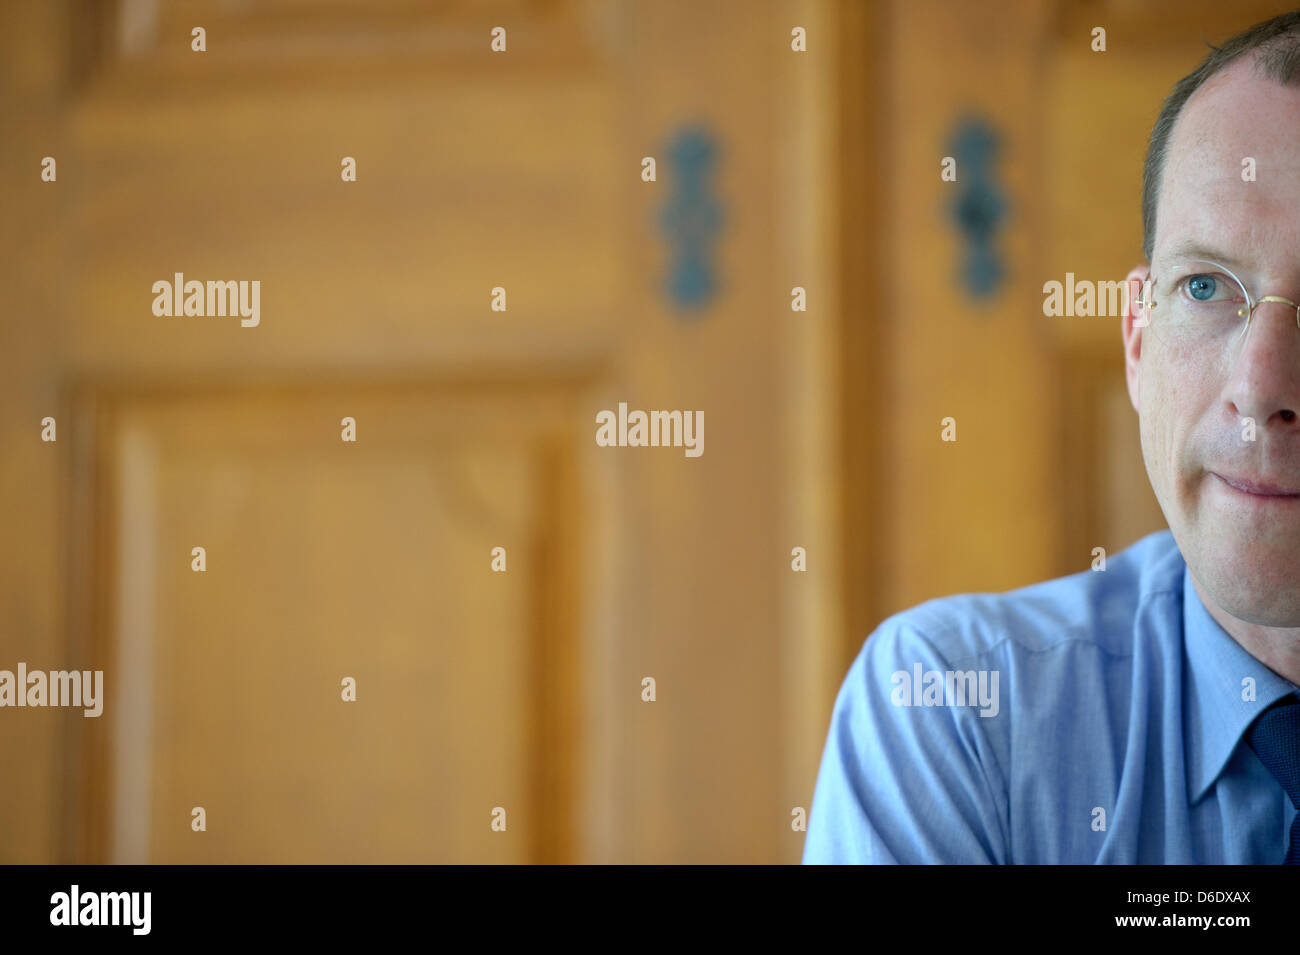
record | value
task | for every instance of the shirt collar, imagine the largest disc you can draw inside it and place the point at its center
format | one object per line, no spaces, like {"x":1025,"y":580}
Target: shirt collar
{"x":1214,"y":714}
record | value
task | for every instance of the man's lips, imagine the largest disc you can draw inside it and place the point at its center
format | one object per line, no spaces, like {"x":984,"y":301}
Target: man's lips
{"x":1257,"y":488}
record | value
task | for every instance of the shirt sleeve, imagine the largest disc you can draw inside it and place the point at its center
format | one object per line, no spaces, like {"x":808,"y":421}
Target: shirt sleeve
{"x":905,"y":784}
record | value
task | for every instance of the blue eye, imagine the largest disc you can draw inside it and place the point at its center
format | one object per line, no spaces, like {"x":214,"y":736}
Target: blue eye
{"x":1201,"y":287}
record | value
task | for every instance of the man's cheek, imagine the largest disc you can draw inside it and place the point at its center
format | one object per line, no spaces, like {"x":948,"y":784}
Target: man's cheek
{"x":1160,"y":443}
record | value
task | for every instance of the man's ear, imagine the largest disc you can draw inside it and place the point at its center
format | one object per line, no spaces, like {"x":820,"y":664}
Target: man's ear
{"x":1133,"y":324}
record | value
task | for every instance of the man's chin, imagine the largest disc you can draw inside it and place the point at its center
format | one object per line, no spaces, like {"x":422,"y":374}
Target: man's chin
{"x":1252,"y":581}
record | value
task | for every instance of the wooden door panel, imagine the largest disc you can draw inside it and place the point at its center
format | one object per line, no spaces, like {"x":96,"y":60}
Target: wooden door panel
{"x":328,"y":559}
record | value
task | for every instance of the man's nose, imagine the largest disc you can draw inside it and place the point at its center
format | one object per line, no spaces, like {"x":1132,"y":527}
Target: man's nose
{"x":1265,"y":379}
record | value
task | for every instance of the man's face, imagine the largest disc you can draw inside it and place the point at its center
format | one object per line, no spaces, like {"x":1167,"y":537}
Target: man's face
{"x":1191,"y":394}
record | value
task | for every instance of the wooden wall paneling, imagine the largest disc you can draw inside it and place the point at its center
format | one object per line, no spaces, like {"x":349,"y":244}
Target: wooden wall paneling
{"x":816,"y":349}
{"x":216,"y":166}
{"x":33,"y":71}
{"x":712,"y":771}
{"x":864,"y":333}
{"x":967,"y":515}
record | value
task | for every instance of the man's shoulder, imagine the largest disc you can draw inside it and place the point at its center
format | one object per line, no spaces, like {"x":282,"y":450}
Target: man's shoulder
{"x":1093,"y":608}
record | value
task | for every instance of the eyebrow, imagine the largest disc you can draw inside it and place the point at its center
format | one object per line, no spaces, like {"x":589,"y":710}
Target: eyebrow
{"x":1192,"y":250}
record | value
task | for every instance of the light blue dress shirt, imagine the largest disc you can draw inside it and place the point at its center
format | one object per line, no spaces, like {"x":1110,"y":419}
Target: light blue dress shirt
{"x":1116,"y":734}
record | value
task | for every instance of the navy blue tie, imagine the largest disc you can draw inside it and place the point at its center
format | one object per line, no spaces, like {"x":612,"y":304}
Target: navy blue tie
{"x":1275,"y":738}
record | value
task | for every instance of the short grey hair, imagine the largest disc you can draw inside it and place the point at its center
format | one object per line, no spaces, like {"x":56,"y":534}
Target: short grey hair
{"x":1275,"y":45}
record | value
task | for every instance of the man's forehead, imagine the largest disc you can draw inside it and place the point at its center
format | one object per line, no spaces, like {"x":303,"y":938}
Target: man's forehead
{"x":1233,"y":161}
